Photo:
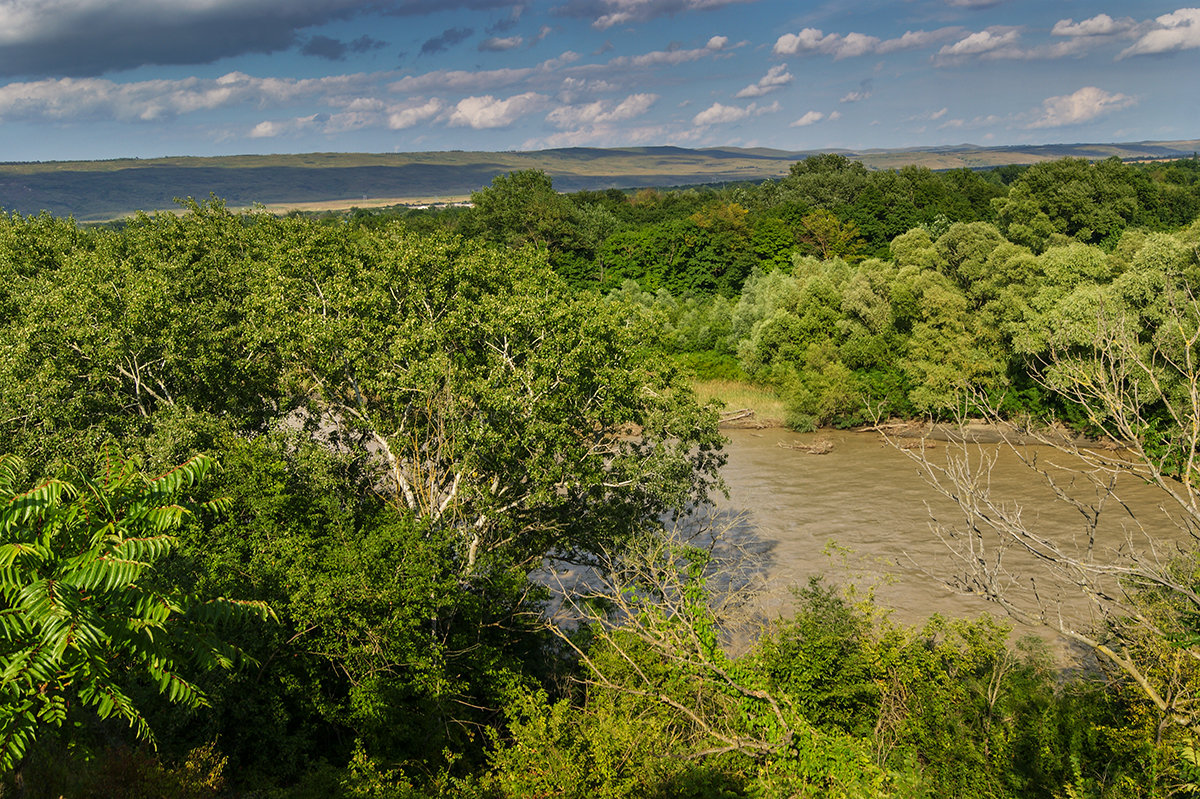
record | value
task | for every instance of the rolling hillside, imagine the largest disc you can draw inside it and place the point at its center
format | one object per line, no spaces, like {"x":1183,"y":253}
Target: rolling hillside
{"x":99,"y":190}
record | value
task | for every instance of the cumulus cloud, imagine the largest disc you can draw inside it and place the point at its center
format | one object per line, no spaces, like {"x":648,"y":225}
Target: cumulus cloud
{"x":776,"y":78}
{"x":1083,"y":106}
{"x":1004,"y":42}
{"x":272,"y":128}
{"x":401,"y":118}
{"x":83,"y":38}
{"x":607,"y":13}
{"x":445,"y":40}
{"x":814,"y":41}
{"x":1099,"y":25}
{"x":810,"y":118}
{"x":718,"y":114}
{"x":982,"y":42}
{"x":488,"y":112}
{"x":601,"y":113}
{"x":1179,"y":30}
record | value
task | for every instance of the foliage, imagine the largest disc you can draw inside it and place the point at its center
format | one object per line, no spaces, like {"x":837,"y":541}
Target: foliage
{"x":77,"y":612}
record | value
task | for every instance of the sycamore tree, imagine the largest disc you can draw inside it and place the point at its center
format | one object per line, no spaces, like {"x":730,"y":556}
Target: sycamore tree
{"x":498,"y":406}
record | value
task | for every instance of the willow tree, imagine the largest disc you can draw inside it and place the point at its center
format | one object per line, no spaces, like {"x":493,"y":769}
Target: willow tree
{"x":1127,"y":356}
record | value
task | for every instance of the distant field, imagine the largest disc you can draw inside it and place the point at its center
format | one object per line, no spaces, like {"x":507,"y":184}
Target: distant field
{"x":100,"y":190}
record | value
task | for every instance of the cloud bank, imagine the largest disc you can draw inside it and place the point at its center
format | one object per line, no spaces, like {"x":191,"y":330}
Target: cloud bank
{"x":85,"y":38}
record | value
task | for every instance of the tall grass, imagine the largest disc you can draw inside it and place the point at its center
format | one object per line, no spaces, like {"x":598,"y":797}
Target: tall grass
{"x":768,"y":407}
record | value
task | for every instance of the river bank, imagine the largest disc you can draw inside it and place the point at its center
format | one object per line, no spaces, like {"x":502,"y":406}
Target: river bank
{"x":749,"y":407}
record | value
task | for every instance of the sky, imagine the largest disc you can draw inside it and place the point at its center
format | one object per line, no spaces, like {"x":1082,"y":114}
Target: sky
{"x":92,"y":79}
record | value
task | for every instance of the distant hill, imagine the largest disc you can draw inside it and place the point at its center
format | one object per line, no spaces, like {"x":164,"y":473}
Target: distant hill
{"x":98,"y":190}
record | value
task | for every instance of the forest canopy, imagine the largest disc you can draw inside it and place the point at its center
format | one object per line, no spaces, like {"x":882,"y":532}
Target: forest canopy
{"x":400,"y":418}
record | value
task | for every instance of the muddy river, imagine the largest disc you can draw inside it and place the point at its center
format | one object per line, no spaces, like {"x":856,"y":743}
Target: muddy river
{"x":869,"y":500}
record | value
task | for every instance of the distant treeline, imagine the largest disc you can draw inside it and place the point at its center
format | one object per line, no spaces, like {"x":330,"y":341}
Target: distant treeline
{"x":701,"y":241}
{"x":848,"y":289}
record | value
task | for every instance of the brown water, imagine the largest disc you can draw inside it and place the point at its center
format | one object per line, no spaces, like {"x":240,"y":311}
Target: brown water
{"x":870,"y":501}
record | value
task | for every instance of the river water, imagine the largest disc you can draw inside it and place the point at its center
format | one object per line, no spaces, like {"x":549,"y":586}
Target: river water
{"x":869,"y":501}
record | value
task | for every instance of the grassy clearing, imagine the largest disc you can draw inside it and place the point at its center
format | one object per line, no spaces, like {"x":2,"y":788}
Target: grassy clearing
{"x":768,"y":407}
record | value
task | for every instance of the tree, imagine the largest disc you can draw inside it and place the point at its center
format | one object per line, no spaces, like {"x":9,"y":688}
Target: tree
{"x":499,"y":407}
{"x":1090,"y":202}
{"x":78,"y":617}
{"x":523,"y":208}
{"x":825,"y":236}
{"x":1137,"y":383}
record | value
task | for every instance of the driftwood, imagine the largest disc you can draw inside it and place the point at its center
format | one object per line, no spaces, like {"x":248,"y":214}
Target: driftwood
{"x":821,"y":446}
{"x":733,"y":416}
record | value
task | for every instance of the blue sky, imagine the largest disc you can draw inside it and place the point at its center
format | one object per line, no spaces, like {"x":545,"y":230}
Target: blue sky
{"x":116,"y":78}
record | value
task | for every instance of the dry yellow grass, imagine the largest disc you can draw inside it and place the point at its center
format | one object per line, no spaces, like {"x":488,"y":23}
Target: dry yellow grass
{"x":768,"y":407}
{"x":346,"y":205}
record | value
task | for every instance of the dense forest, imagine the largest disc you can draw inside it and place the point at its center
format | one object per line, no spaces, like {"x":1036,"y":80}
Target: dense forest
{"x":280,"y":493}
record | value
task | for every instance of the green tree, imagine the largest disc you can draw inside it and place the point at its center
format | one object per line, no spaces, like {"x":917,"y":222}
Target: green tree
{"x":825,"y":236}
{"x":495,"y":402}
{"x":77,"y":614}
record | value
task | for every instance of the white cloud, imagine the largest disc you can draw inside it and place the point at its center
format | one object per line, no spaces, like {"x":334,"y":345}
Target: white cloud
{"x":65,"y":99}
{"x":939,"y":114}
{"x":717,"y":43}
{"x":265,"y":130}
{"x":601,"y":113}
{"x":977,"y":122}
{"x":776,"y":78}
{"x":1099,"y":25}
{"x":272,"y":128}
{"x":912,"y":40}
{"x":666,"y":57}
{"x":854,"y":97}
{"x":619,"y":12}
{"x":810,"y":118}
{"x":1083,"y":106}
{"x":1002,"y":42}
{"x":981,"y":42}
{"x":461,"y":80}
{"x":718,"y":114}
{"x":1179,"y":30}
{"x":488,"y":112}
{"x":402,"y":118}
{"x":813,"y":40}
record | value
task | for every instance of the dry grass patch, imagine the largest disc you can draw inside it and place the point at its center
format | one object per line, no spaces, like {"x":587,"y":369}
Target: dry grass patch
{"x":768,"y":407}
